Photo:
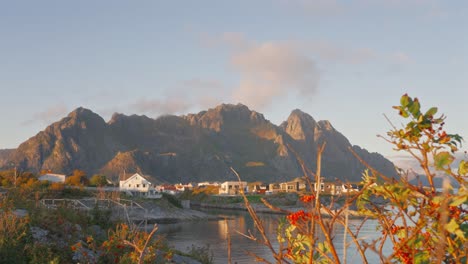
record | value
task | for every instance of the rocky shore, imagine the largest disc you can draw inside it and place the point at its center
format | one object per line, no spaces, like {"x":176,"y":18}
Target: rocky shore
{"x":164,"y":214}
{"x":261,"y":208}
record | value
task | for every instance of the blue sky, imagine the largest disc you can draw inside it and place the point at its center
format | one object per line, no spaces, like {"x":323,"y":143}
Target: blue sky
{"x":343,"y":61}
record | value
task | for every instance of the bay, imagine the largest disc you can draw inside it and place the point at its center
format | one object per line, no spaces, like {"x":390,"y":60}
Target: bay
{"x":214,"y":234}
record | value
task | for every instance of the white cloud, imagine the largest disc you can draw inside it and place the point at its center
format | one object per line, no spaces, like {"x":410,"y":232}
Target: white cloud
{"x":48,"y":115}
{"x":160,"y":106}
{"x":185,"y":96}
{"x":266,"y":71}
{"x":400,"y":58}
{"x":201,"y":93}
{"x":330,"y":52}
{"x":271,"y":70}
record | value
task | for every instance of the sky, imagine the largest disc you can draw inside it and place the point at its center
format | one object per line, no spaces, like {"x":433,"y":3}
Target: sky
{"x":347,"y":61}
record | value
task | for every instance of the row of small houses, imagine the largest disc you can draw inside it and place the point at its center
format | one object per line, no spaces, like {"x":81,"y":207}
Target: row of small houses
{"x":139,"y":185}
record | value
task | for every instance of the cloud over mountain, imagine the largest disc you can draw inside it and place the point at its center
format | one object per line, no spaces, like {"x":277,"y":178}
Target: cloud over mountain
{"x":270,"y":70}
{"x":48,"y":115}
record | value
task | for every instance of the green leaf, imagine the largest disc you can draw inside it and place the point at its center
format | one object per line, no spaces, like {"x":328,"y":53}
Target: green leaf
{"x":438,"y":199}
{"x":458,"y":200}
{"x":456,"y":138}
{"x":401,"y":111}
{"x":431,"y":112}
{"x":460,"y":234}
{"x":420,"y":119}
{"x":404,"y":113}
{"x":452,"y":226}
{"x":422,"y":257}
{"x":414,"y":108}
{"x":404,"y":100}
{"x":321,"y":246}
{"x":442,"y":159}
{"x":462,"y":168}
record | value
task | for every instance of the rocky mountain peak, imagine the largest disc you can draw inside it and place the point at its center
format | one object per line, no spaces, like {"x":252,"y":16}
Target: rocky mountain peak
{"x":300,"y":125}
{"x":326,"y":125}
{"x":231,"y":107}
{"x":82,"y":112}
{"x":299,"y":113}
{"x":174,"y":148}
{"x":116,"y":117}
{"x":226,"y":115}
{"x":82,"y":117}
{"x":238,"y":112}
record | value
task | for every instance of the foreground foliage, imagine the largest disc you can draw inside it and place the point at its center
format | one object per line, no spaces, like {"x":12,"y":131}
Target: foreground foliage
{"x":67,"y":235}
{"x":421,"y":223}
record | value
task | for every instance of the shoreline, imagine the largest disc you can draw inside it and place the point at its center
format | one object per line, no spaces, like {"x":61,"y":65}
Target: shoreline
{"x":260,"y":208}
{"x":161,"y":215}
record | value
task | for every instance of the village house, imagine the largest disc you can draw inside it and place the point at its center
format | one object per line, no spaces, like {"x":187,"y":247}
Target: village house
{"x":52,"y":177}
{"x":274,"y":188}
{"x":138,"y":185}
{"x":183,"y":187}
{"x":259,"y":189}
{"x":232,"y":187}
{"x":327,"y":188}
{"x":166,"y":188}
{"x":216,"y":184}
{"x":296,"y":185}
{"x":348,"y":188}
{"x":336,"y":188}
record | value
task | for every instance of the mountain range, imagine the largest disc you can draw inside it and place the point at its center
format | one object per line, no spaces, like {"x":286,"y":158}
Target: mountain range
{"x":193,"y":147}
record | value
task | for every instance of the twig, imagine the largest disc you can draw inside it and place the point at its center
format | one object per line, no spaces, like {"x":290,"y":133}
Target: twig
{"x":257,"y":221}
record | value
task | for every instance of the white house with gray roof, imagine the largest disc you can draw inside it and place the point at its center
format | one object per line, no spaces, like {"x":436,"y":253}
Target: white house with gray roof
{"x":52,"y":177}
{"x":138,"y":185}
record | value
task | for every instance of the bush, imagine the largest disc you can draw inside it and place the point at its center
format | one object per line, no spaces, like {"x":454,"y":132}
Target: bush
{"x":101,"y":217}
{"x":14,"y":235}
{"x":421,"y":224}
{"x":172,"y":199}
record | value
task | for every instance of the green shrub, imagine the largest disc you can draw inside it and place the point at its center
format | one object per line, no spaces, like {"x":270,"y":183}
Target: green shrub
{"x":172,"y":200}
{"x":101,"y":217}
{"x":14,"y":235}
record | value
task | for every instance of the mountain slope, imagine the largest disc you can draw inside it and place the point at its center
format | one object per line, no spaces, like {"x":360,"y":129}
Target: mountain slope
{"x":79,"y":140}
{"x":338,"y":162}
{"x":5,"y":156}
{"x":195,"y":147}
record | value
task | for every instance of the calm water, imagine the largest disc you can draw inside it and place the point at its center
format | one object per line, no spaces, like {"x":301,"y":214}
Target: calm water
{"x":214,"y":233}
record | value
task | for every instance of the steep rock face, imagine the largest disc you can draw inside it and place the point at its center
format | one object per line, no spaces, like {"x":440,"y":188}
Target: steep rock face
{"x":238,"y":137}
{"x":5,"y":156}
{"x":131,"y":131}
{"x":195,"y":147}
{"x":79,"y":140}
{"x":338,"y":162}
{"x":225,"y":117}
{"x":300,"y":126}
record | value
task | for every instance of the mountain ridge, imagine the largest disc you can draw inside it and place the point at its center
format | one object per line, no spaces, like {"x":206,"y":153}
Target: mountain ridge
{"x":194,"y":147}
